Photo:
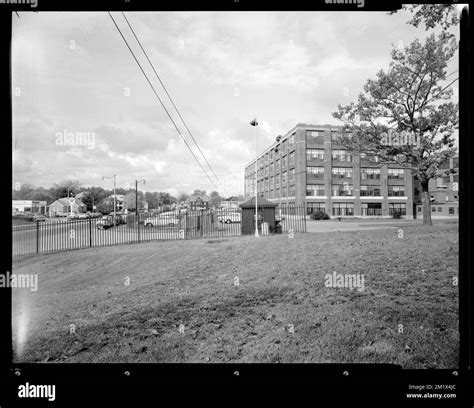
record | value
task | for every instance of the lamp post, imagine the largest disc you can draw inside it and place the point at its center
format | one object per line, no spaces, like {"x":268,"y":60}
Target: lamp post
{"x":254,"y":123}
{"x":113,"y":178}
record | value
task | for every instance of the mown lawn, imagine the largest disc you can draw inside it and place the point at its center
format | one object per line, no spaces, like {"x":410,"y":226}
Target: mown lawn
{"x":408,"y":281}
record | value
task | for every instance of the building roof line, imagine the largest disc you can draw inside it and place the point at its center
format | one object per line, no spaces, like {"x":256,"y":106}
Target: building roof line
{"x":288,"y":133}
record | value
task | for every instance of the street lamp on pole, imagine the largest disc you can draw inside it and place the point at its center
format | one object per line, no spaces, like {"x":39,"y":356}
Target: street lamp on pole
{"x":113,"y":178}
{"x":254,"y":123}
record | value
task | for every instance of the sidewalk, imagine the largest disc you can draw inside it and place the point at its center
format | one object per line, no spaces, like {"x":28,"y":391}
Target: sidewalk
{"x":335,"y":226}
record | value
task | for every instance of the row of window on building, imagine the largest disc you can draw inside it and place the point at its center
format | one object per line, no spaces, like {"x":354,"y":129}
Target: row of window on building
{"x":439,"y":209}
{"x":367,"y":209}
{"x":317,"y":136}
{"x":337,"y":155}
{"x":345,"y":189}
{"x":366,"y":173}
{"x":337,"y":173}
{"x":311,"y":155}
{"x":277,"y":151}
{"x":274,"y":166}
{"x":312,"y":137}
{"x":337,"y":190}
{"x":369,"y":173}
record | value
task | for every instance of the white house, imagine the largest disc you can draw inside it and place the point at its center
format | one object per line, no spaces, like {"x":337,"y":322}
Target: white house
{"x":33,"y":206}
{"x":64,"y":206}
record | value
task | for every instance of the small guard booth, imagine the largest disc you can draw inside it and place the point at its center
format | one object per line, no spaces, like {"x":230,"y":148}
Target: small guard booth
{"x":266,"y":214}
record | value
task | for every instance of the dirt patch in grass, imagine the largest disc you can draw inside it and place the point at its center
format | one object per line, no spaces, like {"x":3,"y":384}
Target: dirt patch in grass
{"x":247,"y":300}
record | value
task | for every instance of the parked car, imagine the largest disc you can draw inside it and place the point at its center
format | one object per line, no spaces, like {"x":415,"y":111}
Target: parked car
{"x":162,"y":220}
{"x":105,"y":222}
{"x":229,"y":217}
{"x":72,"y":217}
{"x":169,"y":214}
{"x":82,"y":216}
{"x":24,"y":215}
{"x":120,"y":219}
{"x":39,"y":218}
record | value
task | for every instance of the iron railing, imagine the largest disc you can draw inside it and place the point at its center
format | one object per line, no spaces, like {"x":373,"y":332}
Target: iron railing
{"x":59,"y":234}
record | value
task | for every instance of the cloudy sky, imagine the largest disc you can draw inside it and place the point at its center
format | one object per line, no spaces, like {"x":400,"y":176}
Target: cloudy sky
{"x":72,"y":72}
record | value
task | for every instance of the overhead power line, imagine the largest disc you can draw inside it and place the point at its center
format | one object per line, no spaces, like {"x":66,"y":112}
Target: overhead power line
{"x":169,"y":96}
{"x":159,"y":99}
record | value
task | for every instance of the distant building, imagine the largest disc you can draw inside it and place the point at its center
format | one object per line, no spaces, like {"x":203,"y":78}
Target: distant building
{"x":33,"y":206}
{"x":198,"y":202}
{"x":119,"y":200}
{"x":65,"y":206}
{"x":232,"y":202}
{"x":444,"y":191}
{"x":107,"y":204}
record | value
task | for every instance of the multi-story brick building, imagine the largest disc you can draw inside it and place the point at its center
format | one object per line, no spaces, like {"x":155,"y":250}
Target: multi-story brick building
{"x":444,"y":191}
{"x":308,"y":165}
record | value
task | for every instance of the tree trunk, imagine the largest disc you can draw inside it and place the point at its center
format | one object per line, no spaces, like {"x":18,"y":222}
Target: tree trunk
{"x":425,"y":199}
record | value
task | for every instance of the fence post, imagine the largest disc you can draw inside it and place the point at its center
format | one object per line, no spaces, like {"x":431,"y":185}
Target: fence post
{"x":37,"y":237}
{"x":138,"y":226}
{"x":185,"y":227}
{"x":303,"y":209}
{"x":200,"y":222}
{"x":90,"y":232}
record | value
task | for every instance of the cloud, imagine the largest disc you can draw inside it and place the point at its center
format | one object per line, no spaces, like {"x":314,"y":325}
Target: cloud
{"x":288,"y":67}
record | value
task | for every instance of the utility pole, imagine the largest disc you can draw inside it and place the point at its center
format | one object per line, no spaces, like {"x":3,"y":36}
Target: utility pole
{"x":115,"y":196}
{"x":136,"y":192}
{"x":254,"y":123}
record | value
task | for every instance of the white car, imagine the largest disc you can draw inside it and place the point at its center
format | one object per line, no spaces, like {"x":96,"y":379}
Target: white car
{"x":162,"y":220}
{"x":230,"y":217}
{"x":169,"y":214}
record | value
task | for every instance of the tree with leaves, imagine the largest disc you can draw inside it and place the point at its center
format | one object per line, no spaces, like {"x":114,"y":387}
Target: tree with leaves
{"x":412,"y":98}
{"x":432,"y":15}
{"x":199,"y":192}
{"x":23,"y":191}
{"x":93,"y":196}
{"x":215,"y":198}
{"x":151,"y":199}
{"x":130,"y":201}
{"x":67,"y":188}
{"x":182,"y":197}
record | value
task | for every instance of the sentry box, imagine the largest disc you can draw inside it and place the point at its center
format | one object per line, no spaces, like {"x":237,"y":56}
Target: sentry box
{"x":265,"y":214}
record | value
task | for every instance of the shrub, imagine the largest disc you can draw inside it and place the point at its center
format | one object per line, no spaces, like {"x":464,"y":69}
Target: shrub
{"x":320,"y":215}
{"x":397,"y":215}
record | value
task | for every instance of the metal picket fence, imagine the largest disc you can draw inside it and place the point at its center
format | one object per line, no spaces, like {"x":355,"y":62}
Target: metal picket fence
{"x":56,"y":234}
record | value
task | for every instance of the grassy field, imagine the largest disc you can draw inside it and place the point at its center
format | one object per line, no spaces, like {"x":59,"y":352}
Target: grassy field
{"x":408,"y":281}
